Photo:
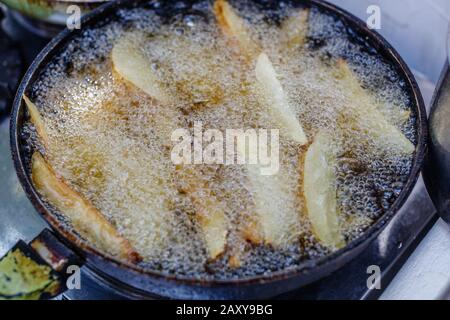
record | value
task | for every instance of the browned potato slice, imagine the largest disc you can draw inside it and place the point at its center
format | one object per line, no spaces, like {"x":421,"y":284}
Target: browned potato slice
{"x":276,"y":225}
{"x":266,"y":189}
{"x":269,"y":227}
{"x":273,"y":95}
{"x":294,"y":30}
{"x":367,"y":116}
{"x":319,"y":191}
{"x":213,"y":223}
{"x":274,"y":98}
{"x":37,"y":121}
{"x":131,"y":64}
{"x":83,"y":215}
{"x":210,"y":212}
{"x":251,"y":230}
{"x":236,"y":28}
{"x":134,"y":67}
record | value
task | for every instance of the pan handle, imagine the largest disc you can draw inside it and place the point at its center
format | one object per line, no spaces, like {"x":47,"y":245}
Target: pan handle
{"x":38,"y":270}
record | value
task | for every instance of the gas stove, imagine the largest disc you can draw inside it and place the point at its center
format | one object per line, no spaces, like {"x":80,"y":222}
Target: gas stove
{"x":389,"y":251}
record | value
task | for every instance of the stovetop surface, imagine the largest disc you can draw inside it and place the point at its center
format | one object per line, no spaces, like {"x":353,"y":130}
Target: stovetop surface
{"x":388,"y":251}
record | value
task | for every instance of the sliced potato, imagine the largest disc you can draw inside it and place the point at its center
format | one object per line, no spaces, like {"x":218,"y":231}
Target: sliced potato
{"x":273,"y":96}
{"x":84,"y":216}
{"x":272,"y":215}
{"x":132,"y":65}
{"x":319,"y":191}
{"x":276,"y":224}
{"x":366,"y":115}
{"x":241,"y":250}
{"x":251,"y":230}
{"x":213,"y":224}
{"x":294,"y":30}
{"x":265,"y":189}
{"x":236,"y":28}
{"x":210,"y":212}
{"x":37,"y":121}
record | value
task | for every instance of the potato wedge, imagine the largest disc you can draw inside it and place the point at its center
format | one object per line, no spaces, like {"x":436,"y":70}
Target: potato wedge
{"x":274,"y":98}
{"x":83,"y":215}
{"x":251,"y":231}
{"x":236,"y":29}
{"x":319,"y":191}
{"x":273,"y":230}
{"x":37,"y":121}
{"x":210,"y":212}
{"x":130,"y":63}
{"x":268,"y":228}
{"x":276,"y":225}
{"x":213,"y":224}
{"x":272,"y":216}
{"x":367,"y":116}
{"x":294,"y":30}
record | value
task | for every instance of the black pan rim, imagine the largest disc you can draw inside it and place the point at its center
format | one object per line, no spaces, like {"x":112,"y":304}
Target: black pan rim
{"x":304,"y":268}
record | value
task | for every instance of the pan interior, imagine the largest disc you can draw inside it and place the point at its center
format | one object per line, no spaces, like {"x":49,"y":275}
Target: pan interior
{"x":106,"y":134}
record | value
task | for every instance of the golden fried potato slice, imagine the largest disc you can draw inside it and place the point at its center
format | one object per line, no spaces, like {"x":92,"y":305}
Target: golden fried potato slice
{"x":366,"y":115}
{"x":272,"y":94}
{"x":294,"y":30}
{"x":236,"y":29}
{"x":268,"y":227}
{"x":134,"y":67}
{"x":213,"y":224}
{"x":130,"y":63}
{"x":276,"y":225}
{"x":319,"y":191}
{"x":37,"y":121}
{"x":84,"y":217}
{"x":274,"y":98}
{"x":251,"y":230}
{"x":210,"y":212}
{"x":272,"y":215}
{"x":265,"y":190}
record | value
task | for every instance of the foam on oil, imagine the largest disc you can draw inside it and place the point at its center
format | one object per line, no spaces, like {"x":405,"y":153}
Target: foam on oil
{"x":112,"y":144}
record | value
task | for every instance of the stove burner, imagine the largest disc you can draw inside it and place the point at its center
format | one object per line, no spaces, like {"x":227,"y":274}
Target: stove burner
{"x":11,"y":69}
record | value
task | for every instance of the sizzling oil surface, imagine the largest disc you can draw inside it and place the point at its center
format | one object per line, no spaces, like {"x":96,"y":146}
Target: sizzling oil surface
{"x":111,"y":142}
